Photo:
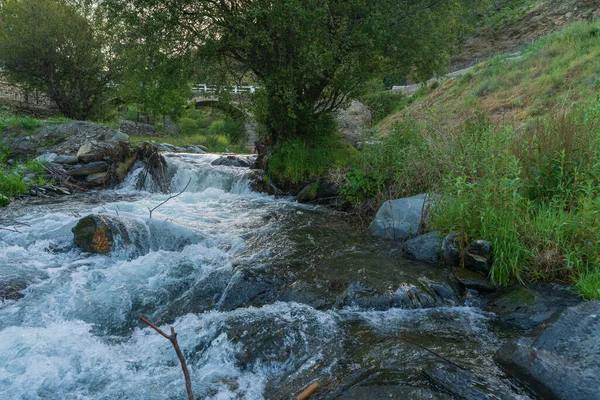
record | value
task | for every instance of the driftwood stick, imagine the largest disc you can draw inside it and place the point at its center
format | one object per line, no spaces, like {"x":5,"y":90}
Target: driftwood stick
{"x":309,"y":391}
{"x":170,"y":197}
{"x":173,"y":339}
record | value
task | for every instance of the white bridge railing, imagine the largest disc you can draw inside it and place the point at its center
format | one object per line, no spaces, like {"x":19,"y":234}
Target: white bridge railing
{"x":208,"y":89}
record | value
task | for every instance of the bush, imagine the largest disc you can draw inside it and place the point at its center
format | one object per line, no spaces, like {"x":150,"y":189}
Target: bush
{"x":381,"y":104}
{"x":188,"y":126}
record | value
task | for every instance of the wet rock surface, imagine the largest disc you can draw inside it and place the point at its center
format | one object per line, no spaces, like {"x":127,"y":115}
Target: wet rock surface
{"x":478,"y":257}
{"x":233,"y":161}
{"x":318,"y":192}
{"x":526,"y":307}
{"x":451,"y":249}
{"x":98,"y":233}
{"x":562,"y":360}
{"x":392,"y":392}
{"x":473,"y":280}
{"x":424,"y":248}
{"x":399,"y":219}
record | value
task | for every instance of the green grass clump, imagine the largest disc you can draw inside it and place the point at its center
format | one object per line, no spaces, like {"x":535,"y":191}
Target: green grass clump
{"x":28,"y":123}
{"x":12,"y":183}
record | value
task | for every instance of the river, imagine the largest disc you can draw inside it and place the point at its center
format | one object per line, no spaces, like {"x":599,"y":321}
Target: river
{"x":266,"y":295}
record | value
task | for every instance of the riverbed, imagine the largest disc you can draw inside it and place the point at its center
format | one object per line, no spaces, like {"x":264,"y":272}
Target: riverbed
{"x":267,"y":296}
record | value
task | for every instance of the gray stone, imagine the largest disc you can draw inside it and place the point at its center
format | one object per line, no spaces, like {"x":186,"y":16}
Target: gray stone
{"x":354,"y":121}
{"x":88,"y":169}
{"x":478,"y":257}
{"x":95,"y":151}
{"x":31,"y":177}
{"x":473,"y":280}
{"x":118,"y":136}
{"x":563,"y":360}
{"x":97,"y":179}
{"x":424,"y":248}
{"x":46,"y":158}
{"x":136,"y":128}
{"x":451,"y":249}
{"x":69,"y":160}
{"x":526,"y":307}
{"x":399,"y":219}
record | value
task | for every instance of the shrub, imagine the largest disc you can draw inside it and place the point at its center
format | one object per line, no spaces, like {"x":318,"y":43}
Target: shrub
{"x":188,"y":126}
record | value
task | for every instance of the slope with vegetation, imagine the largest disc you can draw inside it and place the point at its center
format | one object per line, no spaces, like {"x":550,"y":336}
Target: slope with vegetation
{"x":513,"y":147}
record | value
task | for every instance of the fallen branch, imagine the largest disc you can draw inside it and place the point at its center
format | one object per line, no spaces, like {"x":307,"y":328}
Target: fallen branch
{"x":173,"y":339}
{"x":309,"y":391}
{"x":170,"y":197}
{"x":14,"y":223}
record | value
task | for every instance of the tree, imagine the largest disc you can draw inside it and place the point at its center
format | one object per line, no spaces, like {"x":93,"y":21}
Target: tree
{"x":150,"y":77}
{"x":48,"y":45}
{"x":311,"y":56}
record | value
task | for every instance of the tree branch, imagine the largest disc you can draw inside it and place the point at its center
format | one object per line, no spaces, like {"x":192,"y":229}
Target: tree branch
{"x":173,"y":339}
{"x":170,"y":197}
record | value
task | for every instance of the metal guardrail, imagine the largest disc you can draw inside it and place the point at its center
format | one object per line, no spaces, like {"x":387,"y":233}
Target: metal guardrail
{"x":203,"y":88}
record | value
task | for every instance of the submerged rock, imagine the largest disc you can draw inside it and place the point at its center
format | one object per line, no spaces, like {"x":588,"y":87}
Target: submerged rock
{"x":424,"y":248}
{"x":399,"y":219}
{"x":464,"y":384}
{"x":563,"y":360}
{"x":232,"y":161}
{"x":392,"y":392}
{"x":98,"y":233}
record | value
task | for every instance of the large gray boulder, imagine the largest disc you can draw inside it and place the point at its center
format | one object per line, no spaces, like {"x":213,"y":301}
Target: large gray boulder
{"x":563,"y":360}
{"x":424,"y":248}
{"x":399,"y":219}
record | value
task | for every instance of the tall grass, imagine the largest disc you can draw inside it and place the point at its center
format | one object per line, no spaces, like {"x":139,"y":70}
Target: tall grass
{"x":534,"y":193}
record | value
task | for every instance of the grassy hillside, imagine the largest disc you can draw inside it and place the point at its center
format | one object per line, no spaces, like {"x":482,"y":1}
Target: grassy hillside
{"x":558,"y":72}
{"x":513,"y":151}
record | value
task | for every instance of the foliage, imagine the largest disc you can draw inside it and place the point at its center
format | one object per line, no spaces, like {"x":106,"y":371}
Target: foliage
{"x":12,"y":183}
{"x":8,"y":120}
{"x":149,"y":77}
{"x":381,"y":104}
{"x":310,"y":56}
{"x":297,"y":160}
{"x":48,"y":45}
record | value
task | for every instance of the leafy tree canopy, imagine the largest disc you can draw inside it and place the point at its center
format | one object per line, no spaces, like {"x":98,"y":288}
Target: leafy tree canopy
{"x":48,"y":45}
{"x":310,"y":56}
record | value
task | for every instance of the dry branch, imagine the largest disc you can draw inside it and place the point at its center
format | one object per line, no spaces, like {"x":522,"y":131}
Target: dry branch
{"x":173,"y":339}
{"x":170,"y":197}
{"x":10,"y":225}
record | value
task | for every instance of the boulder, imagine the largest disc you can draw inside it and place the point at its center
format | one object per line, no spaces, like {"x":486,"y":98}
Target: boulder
{"x":526,"y":307}
{"x":451,"y":248}
{"x":137,"y":128}
{"x":68,"y":160}
{"x":98,"y":233}
{"x":399,"y":219}
{"x":478,"y":257}
{"x":563,"y":360}
{"x":232,"y":161}
{"x":424,"y":248}
{"x":170,"y":148}
{"x":474,"y":280}
{"x":317,"y":191}
{"x":88,"y":169}
{"x":196,"y":149}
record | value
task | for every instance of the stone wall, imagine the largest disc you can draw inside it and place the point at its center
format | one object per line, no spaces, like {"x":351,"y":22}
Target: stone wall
{"x":137,"y":128}
{"x":18,"y":94}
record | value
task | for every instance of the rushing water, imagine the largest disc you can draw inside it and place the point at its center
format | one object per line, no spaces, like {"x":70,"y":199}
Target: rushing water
{"x":266,"y":296}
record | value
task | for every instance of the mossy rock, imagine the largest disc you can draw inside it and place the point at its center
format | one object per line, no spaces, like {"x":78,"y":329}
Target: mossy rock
{"x":98,"y":233}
